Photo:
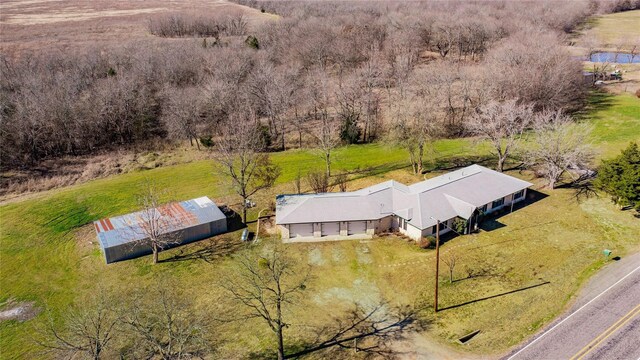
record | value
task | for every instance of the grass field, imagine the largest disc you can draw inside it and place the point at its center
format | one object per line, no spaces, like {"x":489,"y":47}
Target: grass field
{"x":71,"y":25}
{"x":618,"y":27}
{"x":49,"y":255}
{"x":615,"y":120}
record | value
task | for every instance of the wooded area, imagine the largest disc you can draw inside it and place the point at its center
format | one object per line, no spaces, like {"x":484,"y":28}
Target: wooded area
{"x":323,"y":74}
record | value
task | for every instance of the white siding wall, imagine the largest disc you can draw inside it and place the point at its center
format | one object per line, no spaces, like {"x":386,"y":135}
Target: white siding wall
{"x":507,"y":202}
{"x":412,"y":232}
{"x":443,"y":229}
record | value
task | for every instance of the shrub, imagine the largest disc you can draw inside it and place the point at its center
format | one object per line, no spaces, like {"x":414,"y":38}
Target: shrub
{"x":265,"y":136}
{"x":263,"y":263}
{"x":341,"y":181}
{"x":252,"y":42}
{"x":459,"y":225}
{"x":349,"y":130}
{"x":426,"y":242}
{"x":638,"y":93}
{"x":206,"y":141}
{"x":319,"y":182}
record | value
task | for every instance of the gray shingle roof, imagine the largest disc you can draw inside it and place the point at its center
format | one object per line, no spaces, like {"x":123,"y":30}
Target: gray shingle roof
{"x":457,"y":193}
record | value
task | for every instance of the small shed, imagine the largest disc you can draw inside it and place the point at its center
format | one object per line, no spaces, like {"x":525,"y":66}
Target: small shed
{"x":123,"y":237}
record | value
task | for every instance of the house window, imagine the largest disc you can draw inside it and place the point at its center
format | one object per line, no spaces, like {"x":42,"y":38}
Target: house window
{"x":404,"y":224}
{"x":483,"y":208}
{"x":434,"y":229}
{"x":518,"y":195}
{"x":497,"y":203}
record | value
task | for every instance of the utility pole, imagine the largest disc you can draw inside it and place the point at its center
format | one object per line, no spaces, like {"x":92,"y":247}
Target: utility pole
{"x":435,"y":304}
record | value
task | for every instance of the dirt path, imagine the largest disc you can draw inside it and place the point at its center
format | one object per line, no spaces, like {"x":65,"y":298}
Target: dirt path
{"x":421,"y":346}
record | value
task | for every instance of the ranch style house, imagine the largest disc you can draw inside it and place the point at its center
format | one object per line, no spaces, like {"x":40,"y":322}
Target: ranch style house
{"x":412,"y":210}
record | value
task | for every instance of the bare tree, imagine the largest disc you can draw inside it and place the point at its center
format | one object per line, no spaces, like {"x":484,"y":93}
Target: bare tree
{"x":88,"y":331}
{"x":264,"y":287}
{"x":183,"y":114}
{"x":327,"y":127}
{"x":413,"y":122}
{"x":370,"y":77}
{"x":551,"y":82}
{"x":634,"y":48}
{"x":273,"y":89}
{"x":319,"y":182}
{"x":450,"y":260}
{"x":341,"y":181}
{"x":163,"y":323}
{"x":444,"y":37}
{"x":559,"y":147}
{"x":350,"y":109}
{"x":502,"y":124}
{"x":157,"y":224}
{"x":241,"y":160}
{"x":326,"y":134}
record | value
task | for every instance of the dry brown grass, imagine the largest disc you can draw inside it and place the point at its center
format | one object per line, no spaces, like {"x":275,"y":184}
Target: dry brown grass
{"x":73,"y":24}
{"x":70,"y":170}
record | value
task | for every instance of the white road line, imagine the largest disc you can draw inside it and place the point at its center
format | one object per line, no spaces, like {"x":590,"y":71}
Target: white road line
{"x":573,"y":313}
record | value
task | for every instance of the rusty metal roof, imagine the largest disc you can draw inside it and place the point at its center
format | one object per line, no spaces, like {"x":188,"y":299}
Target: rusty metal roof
{"x":172,"y":217}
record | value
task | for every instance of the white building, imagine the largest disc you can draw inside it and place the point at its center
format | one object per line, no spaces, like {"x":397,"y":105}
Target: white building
{"x":390,"y":206}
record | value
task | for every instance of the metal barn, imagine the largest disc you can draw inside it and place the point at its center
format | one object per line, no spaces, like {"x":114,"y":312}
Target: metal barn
{"x":123,"y":237}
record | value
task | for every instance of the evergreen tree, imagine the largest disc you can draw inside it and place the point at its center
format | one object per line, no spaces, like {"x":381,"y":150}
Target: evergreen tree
{"x":349,"y":131}
{"x":620,"y":177}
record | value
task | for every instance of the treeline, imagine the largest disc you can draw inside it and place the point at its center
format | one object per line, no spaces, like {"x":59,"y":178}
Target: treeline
{"x":357,"y":67}
{"x":182,"y":25}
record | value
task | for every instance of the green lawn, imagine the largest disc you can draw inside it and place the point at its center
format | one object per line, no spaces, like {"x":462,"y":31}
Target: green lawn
{"x":46,"y":255}
{"x":44,"y":261}
{"x":615,"y":120}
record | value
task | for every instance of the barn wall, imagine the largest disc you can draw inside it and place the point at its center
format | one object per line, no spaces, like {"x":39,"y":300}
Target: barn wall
{"x":136,"y":249}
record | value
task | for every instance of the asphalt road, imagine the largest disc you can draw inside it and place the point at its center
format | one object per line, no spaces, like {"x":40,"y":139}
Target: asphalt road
{"x":604,"y":323}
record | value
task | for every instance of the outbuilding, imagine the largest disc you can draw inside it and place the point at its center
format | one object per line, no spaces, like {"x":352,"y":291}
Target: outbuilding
{"x":124,"y":237}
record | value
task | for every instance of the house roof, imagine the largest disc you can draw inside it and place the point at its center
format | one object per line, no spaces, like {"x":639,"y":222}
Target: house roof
{"x":175,"y":216}
{"x":457,"y":193}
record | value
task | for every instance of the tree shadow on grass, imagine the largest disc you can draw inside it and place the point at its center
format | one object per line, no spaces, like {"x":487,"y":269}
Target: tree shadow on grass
{"x":598,"y":100}
{"x":214,"y":247}
{"x":234,"y":220}
{"x":490,"y":221}
{"x":494,"y":296}
{"x":207,"y":250}
{"x":456,"y":162}
{"x":375,"y":170}
{"x":370,"y":332}
{"x":490,"y":224}
{"x":441,"y":164}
